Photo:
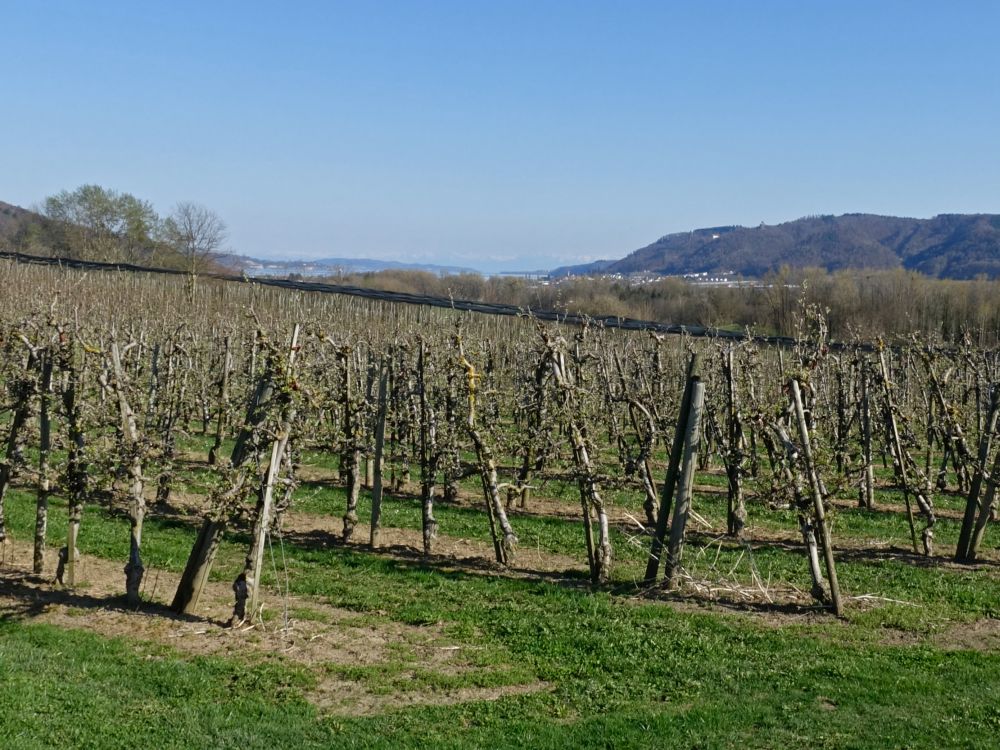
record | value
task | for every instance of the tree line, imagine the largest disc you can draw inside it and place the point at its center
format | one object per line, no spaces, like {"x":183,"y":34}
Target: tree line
{"x":857,"y":304}
{"x":99,"y":224}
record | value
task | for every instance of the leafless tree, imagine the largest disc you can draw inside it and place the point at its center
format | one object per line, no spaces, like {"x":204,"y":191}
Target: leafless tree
{"x":195,"y":232}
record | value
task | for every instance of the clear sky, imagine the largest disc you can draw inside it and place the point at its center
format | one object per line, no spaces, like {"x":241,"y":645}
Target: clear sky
{"x":515,"y":135}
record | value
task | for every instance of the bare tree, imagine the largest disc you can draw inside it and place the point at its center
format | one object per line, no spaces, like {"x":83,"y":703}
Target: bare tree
{"x":195,"y":232}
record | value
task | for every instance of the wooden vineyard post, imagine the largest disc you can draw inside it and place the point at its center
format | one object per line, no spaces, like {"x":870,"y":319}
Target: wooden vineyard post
{"x":817,"y":494}
{"x":899,"y":462}
{"x":25,"y":392}
{"x":203,"y":551}
{"x":44,"y":448}
{"x":985,"y":510}
{"x":428,"y":450}
{"x":376,"y":525}
{"x":247,"y":584}
{"x":867,"y":493}
{"x":972,"y":505}
{"x":350,"y":458}
{"x":673,"y":466}
{"x":736,"y":513}
{"x":685,"y":483}
{"x":504,"y":538}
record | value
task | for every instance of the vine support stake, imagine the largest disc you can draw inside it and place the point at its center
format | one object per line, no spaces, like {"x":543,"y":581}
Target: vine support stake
{"x":817,"y":494}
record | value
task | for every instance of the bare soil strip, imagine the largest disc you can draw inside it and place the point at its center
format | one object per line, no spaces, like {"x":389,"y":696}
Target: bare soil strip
{"x":301,"y":630}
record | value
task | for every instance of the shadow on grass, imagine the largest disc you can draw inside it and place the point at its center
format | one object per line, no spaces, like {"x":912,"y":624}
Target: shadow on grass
{"x":843,"y":552}
{"x":408,"y":557}
{"x":895,"y":509}
{"x":35,"y":594}
{"x":659,"y":592}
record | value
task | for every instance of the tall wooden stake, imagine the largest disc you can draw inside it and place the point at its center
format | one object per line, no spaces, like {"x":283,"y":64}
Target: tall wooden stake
{"x":673,"y":467}
{"x":376,"y":526}
{"x":692,"y":441}
{"x":817,"y":493}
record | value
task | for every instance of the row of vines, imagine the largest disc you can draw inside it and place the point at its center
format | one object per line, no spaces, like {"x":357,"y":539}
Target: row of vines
{"x":104,"y":376}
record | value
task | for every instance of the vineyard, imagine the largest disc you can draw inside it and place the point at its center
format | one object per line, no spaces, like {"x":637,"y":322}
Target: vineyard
{"x":240,"y":515}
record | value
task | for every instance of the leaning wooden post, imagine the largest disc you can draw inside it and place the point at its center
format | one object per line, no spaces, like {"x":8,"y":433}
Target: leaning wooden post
{"x":376,"y":526}
{"x":817,"y":493}
{"x":899,"y":459}
{"x":685,"y":484}
{"x":973,"y":503}
{"x":504,"y":538}
{"x":670,"y":483}
{"x":246,"y":587}
{"x":25,"y":393}
{"x":985,"y":510}
{"x":206,"y":545}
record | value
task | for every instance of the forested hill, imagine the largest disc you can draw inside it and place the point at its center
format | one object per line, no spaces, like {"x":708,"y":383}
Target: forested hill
{"x":955,"y":246}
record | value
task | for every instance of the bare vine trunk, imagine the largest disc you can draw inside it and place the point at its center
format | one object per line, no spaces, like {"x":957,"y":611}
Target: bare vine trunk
{"x":504,"y":538}
{"x":223,"y":406}
{"x":351,"y":457}
{"x":134,"y":568}
{"x":44,"y":448}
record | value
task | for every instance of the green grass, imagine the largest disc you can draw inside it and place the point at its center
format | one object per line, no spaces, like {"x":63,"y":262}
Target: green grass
{"x":66,"y":688}
{"x":616,"y":671}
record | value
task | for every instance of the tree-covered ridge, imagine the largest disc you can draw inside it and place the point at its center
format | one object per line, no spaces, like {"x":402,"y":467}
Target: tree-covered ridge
{"x":954,"y":246}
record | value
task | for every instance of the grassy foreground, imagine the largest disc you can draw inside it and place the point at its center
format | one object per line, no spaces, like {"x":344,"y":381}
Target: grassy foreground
{"x":616,"y":671}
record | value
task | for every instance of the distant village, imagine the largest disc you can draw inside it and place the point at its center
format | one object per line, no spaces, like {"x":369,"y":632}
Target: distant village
{"x":254,"y":267}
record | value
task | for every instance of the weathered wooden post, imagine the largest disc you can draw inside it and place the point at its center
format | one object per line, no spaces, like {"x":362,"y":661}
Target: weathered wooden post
{"x":673,"y":467}
{"x":376,"y":526}
{"x":972,"y":505}
{"x":867,"y":493}
{"x":685,"y":484}
{"x":817,"y":495}
{"x":44,"y":448}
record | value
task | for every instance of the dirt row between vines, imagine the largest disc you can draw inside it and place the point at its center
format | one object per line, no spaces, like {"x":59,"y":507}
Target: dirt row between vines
{"x":315,"y":635}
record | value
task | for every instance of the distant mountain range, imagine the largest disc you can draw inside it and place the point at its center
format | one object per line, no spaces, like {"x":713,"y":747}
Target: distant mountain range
{"x":954,"y":246}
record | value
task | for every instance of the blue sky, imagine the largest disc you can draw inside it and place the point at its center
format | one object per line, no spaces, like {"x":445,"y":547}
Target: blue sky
{"x":513,"y":135}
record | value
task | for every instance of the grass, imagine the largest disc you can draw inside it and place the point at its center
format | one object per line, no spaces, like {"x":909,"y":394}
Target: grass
{"x":616,"y":671}
{"x":66,"y":688}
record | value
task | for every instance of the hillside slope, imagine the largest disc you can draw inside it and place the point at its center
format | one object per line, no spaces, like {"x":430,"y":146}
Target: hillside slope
{"x":957,"y":246}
